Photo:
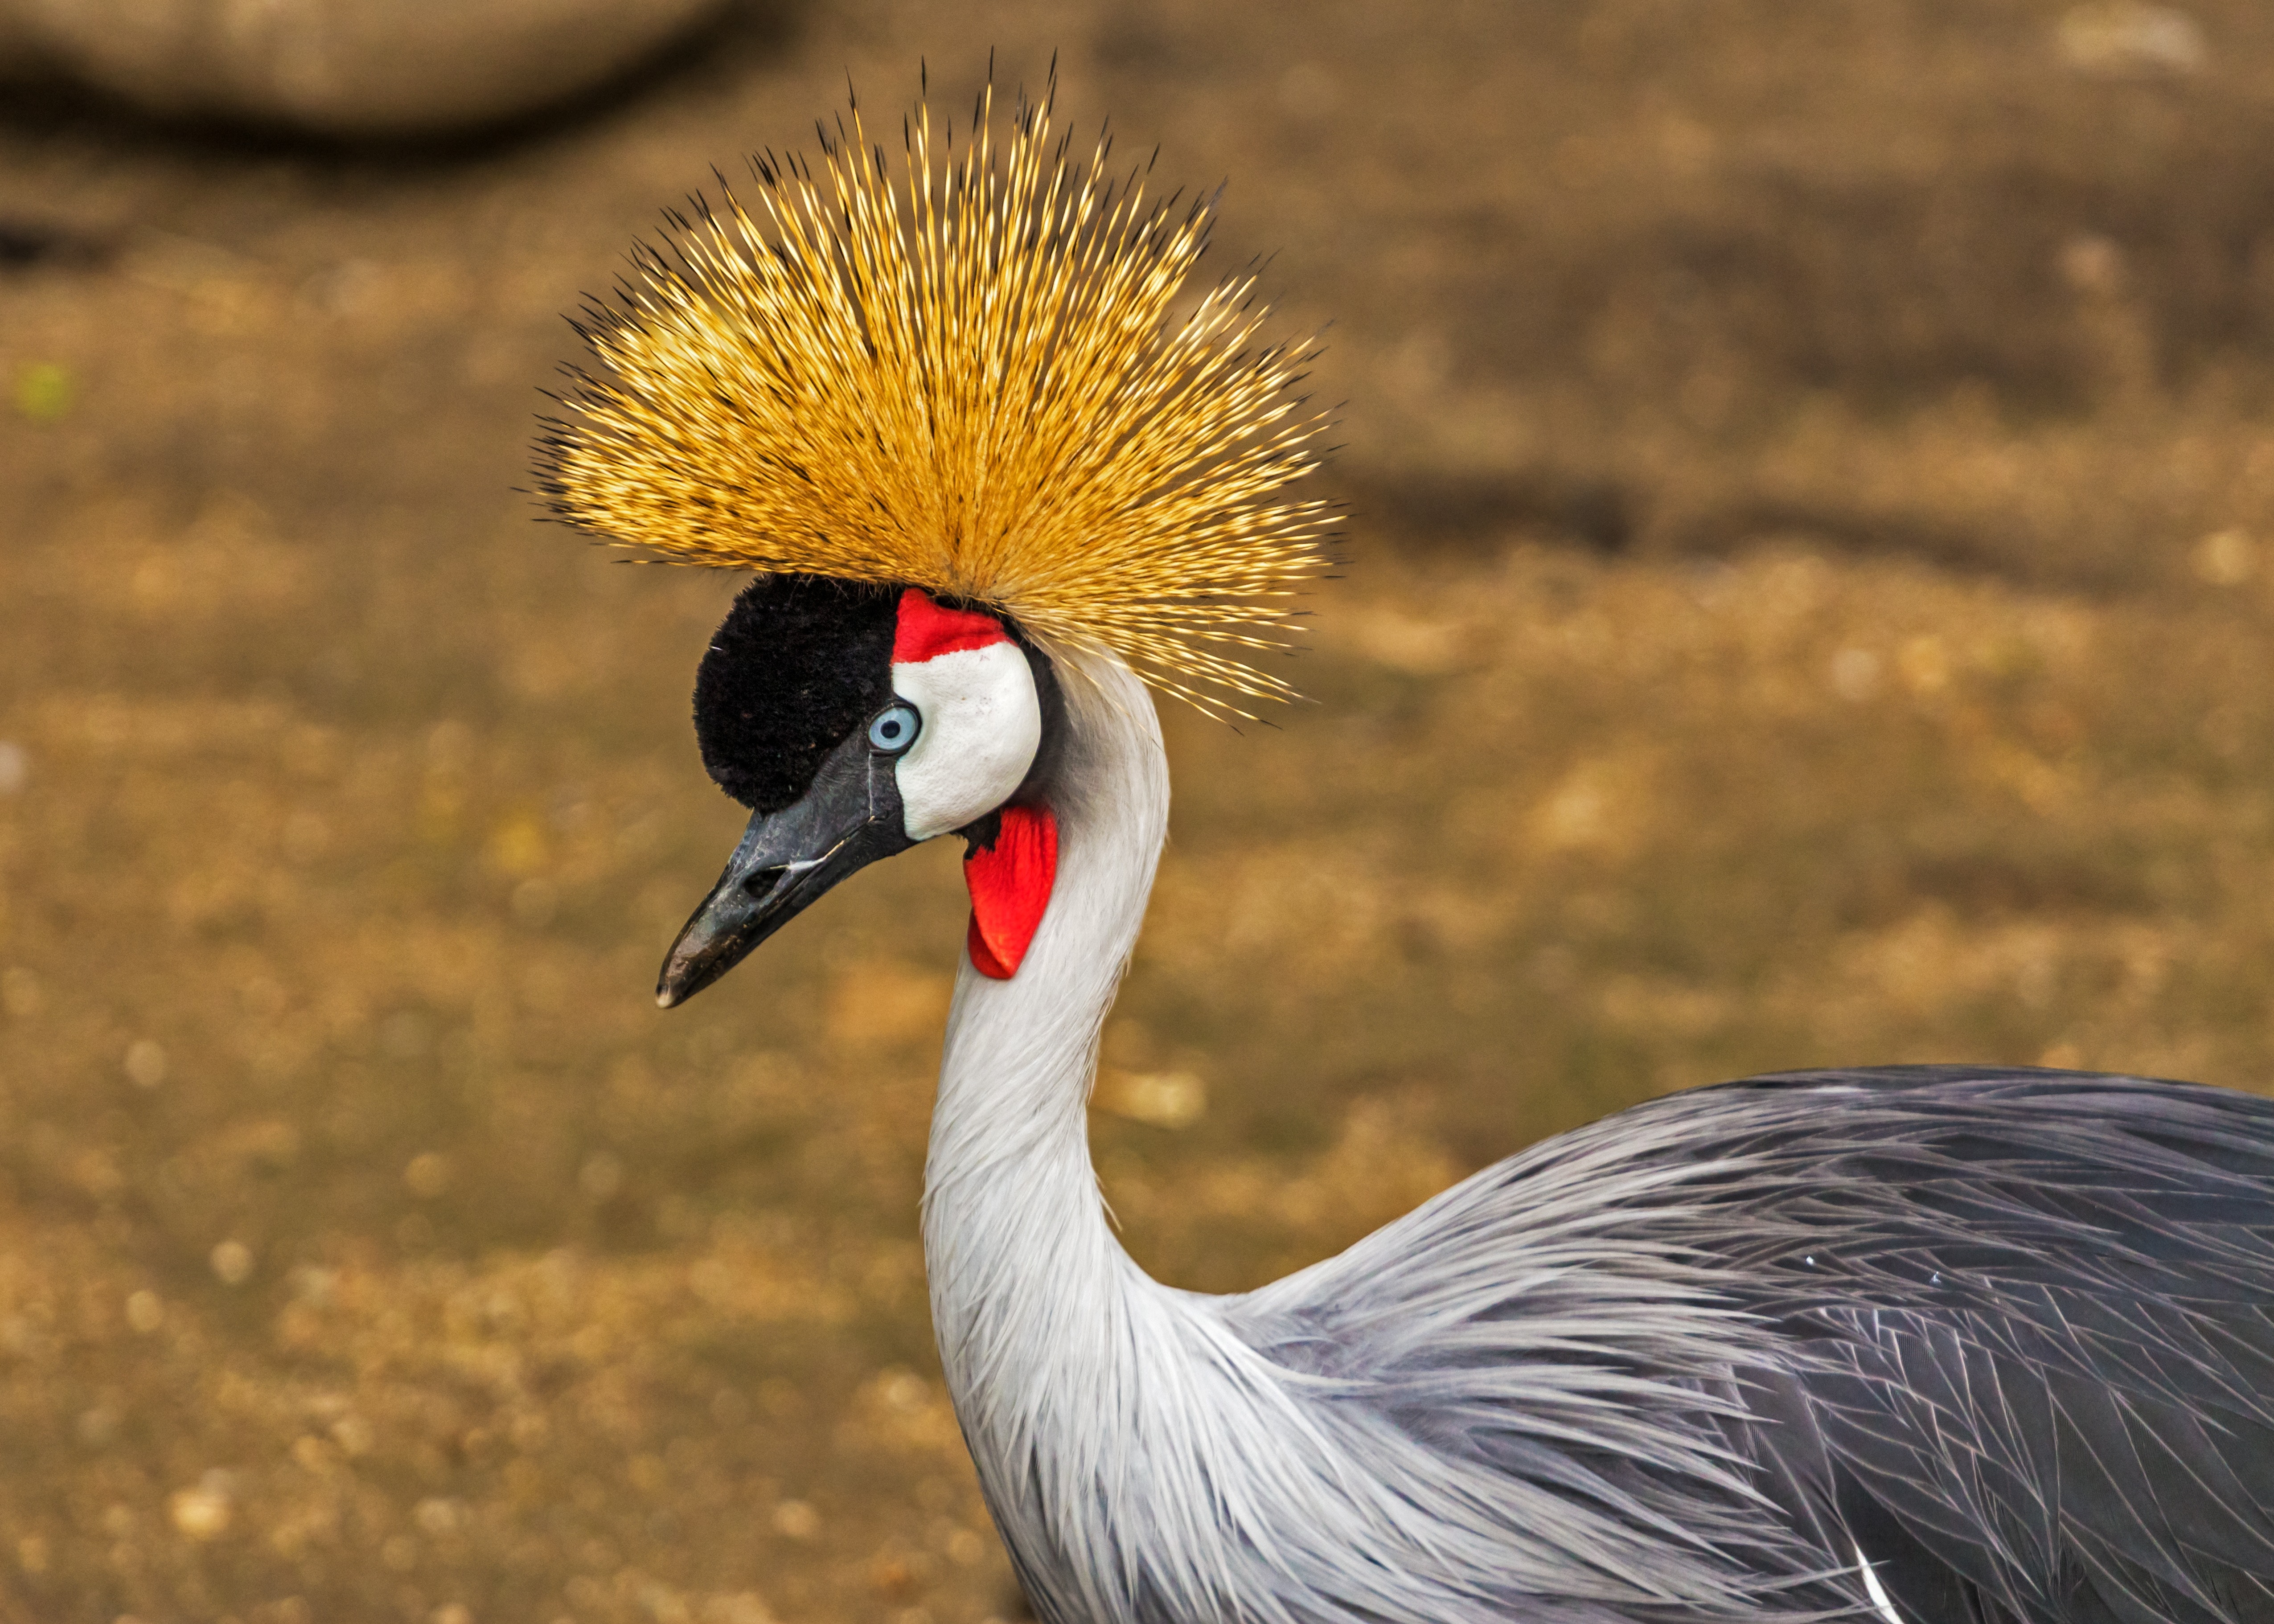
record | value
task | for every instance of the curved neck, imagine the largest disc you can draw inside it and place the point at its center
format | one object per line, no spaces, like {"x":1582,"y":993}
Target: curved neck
{"x":1152,"y":1454}
{"x":1035,"y":1304}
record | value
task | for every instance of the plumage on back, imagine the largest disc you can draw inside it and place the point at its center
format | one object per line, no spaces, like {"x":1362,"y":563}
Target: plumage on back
{"x":2006,"y":1332}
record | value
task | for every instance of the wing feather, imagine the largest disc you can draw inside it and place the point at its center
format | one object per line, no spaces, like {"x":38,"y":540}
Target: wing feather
{"x":2007,"y":1335}
{"x":2034,"y":1317}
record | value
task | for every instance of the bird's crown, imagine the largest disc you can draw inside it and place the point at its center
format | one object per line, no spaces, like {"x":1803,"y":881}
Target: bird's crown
{"x":981,"y":378}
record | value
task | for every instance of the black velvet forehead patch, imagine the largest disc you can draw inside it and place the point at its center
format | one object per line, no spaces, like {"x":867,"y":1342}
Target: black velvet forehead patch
{"x":798,"y":663}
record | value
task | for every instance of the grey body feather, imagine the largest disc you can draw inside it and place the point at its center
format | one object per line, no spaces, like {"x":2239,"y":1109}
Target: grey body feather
{"x":2002,"y":1335}
{"x":2006,"y":1333}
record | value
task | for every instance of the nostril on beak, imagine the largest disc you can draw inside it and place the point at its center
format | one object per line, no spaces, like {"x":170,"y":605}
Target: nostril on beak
{"x":759,"y":881}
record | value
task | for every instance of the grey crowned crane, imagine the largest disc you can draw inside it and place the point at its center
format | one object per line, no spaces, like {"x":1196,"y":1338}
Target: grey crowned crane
{"x":1926,"y":1345}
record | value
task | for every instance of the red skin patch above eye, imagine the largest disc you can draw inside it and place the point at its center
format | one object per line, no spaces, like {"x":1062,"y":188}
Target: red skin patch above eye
{"x":926,"y":630}
{"x":1010,"y":887}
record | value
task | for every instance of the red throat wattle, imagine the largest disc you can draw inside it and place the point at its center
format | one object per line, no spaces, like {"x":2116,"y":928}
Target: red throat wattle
{"x":1010,"y":887}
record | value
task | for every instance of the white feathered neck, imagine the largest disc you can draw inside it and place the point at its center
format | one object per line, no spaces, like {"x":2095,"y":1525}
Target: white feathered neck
{"x":1094,"y":1398}
{"x":1150,"y":1454}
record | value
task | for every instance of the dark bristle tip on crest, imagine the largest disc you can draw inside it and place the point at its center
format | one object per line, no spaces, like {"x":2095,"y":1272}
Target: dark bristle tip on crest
{"x":1152,"y":547}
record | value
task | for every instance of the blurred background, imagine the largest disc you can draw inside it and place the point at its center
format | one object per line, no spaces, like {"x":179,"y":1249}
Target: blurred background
{"x":1812,"y":600}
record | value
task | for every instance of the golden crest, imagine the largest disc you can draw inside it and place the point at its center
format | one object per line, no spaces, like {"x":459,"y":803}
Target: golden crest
{"x":978,"y":378}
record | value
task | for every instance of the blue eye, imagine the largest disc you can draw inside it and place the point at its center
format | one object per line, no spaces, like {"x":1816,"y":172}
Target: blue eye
{"x":895,"y":728}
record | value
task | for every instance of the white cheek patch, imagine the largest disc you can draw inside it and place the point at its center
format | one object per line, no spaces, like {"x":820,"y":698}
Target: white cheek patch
{"x":982,"y":725}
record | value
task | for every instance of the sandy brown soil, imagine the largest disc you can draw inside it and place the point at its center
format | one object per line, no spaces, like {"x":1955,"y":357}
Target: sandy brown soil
{"x":1812,"y":601}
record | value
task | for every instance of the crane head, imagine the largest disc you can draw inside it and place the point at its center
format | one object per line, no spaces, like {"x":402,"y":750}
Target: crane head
{"x":951,"y":411}
{"x":855,"y":721}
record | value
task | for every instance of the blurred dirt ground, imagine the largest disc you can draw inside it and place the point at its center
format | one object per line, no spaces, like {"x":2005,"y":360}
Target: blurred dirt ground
{"x":1812,"y":601}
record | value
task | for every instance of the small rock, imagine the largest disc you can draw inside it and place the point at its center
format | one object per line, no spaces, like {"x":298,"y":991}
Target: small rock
{"x":98,"y":1428}
{"x":428,"y":1175}
{"x":1855,"y":674}
{"x":202,"y":1512}
{"x":2120,"y":36}
{"x":355,"y":68}
{"x":146,"y":1063}
{"x":232,"y":1263}
{"x":1164,"y":1098}
{"x":2227,"y":558}
{"x":797,"y":1520}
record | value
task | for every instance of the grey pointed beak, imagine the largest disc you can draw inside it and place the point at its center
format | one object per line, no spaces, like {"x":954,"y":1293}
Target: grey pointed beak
{"x":787,"y":860}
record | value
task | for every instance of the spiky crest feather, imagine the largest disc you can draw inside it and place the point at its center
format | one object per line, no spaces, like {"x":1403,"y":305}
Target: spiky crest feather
{"x":973,"y":379}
